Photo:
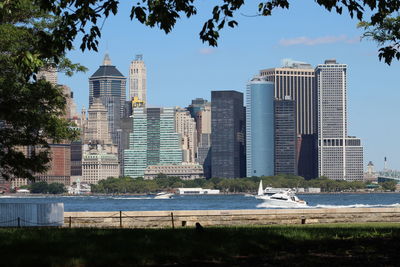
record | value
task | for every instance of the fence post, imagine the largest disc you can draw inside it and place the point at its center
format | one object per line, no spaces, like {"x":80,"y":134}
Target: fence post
{"x":70,"y":221}
{"x":172,"y":219}
{"x":120,"y":219}
{"x":19,"y":222}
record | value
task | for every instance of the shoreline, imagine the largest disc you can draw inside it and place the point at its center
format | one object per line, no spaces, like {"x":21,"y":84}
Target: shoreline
{"x":153,"y":193}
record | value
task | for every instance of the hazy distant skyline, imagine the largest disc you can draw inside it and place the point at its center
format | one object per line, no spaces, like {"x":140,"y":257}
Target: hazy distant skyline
{"x":181,"y":68}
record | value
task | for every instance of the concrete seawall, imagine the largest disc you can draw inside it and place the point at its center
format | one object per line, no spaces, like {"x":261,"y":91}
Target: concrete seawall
{"x":183,"y":218}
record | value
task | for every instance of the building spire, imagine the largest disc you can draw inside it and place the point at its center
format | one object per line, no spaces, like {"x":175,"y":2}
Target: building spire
{"x":107,"y":60}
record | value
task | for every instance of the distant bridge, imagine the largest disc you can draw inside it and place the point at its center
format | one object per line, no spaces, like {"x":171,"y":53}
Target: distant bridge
{"x":388,"y":175}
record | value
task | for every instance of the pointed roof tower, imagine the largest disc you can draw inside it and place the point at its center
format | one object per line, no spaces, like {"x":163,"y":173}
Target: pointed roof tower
{"x":107,"y":60}
{"x":107,"y":69}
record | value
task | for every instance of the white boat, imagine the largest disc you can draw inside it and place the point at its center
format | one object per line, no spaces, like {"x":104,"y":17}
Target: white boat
{"x":163,"y":195}
{"x":279,"y":197}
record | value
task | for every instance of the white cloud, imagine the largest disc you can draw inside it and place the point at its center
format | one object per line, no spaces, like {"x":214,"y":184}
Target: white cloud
{"x":318,"y":41}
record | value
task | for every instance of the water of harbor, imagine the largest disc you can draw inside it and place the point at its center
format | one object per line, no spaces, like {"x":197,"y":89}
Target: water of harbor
{"x":203,"y":202}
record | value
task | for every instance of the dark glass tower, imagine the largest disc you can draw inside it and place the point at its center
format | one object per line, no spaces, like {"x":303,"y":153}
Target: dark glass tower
{"x":108,"y":84}
{"x":227,"y":134}
{"x":285,"y":136}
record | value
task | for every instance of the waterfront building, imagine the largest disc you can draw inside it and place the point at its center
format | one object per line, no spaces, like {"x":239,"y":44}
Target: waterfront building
{"x":109,"y":85}
{"x":138,"y":80}
{"x":153,"y":141}
{"x":185,"y":125}
{"x":228,"y":158}
{"x":371,"y":175}
{"x":297,"y":80}
{"x":285,"y":136}
{"x":340,"y":157}
{"x":59,"y":167}
{"x":185,"y":171}
{"x":98,"y":164}
{"x":260,"y":127}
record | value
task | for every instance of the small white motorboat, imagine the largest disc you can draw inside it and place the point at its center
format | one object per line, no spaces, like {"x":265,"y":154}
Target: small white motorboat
{"x":163,"y":195}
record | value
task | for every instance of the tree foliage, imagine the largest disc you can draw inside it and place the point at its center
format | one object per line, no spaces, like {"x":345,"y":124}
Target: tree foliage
{"x":227,"y":185}
{"x":30,"y":109}
{"x":45,"y":188}
{"x":87,"y":17}
{"x":387,"y":35}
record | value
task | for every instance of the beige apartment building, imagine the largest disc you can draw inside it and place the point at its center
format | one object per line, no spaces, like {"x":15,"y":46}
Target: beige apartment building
{"x":185,"y":125}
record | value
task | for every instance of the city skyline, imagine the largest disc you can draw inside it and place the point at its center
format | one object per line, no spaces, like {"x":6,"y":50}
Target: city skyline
{"x":180,"y":68}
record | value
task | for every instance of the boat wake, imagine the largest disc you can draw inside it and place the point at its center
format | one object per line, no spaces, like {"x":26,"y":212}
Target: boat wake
{"x":357,"y":206}
{"x":320,"y":206}
{"x":270,"y":206}
{"x":128,"y":198}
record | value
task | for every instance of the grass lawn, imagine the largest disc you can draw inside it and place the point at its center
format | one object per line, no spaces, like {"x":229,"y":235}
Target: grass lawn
{"x":301,"y":245}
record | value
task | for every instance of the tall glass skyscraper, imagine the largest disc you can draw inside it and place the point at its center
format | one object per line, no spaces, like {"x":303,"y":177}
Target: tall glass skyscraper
{"x":153,"y":141}
{"x":297,"y":80}
{"x":108,"y":84}
{"x":285,"y":136}
{"x":260,"y":127}
{"x":228,"y":158}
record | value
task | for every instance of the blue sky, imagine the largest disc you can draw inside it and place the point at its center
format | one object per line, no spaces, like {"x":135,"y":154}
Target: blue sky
{"x":180,"y":67}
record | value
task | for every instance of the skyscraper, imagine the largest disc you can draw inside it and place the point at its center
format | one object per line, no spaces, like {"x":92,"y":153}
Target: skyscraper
{"x":108,"y":84}
{"x":203,"y":124}
{"x":297,"y":80}
{"x":260,"y":127}
{"x":340,"y":157}
{"x":59,"y":167}
{"x":97,"y":124}
{"x":285,"y":136}
{"x":197,"y":105}
{"x":227,"y":134}
{"x":185,"y":125}
{"x":153,"y":141}
{"x":138,"y":79}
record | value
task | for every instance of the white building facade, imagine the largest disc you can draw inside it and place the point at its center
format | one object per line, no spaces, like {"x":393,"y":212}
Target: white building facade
{"x":138,"y":79}
{"x":340,"y":157}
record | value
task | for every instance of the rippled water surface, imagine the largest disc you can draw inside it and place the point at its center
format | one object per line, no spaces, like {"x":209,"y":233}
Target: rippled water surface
{"x":203,"y":202}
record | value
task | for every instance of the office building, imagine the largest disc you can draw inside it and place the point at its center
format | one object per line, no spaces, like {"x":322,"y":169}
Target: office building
{"x":197,"y":105}
{"x":203,"y":124}
{"x":76,"y":158}
{"x":185,"y":125}
{"x":297,"y":80}
{"x":260,"y":127}
{"x":185,"y":171}
{"x":340,"y":157}
{"x":138,"y":80}
{"x":59,"y":167}
{"x":153,"y":141}
{"x":98,"y":164}
{"x":228,"y":158}
{"x":109,"y":85}
{"x":285,"y":136}
{"x":97,"y":126}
